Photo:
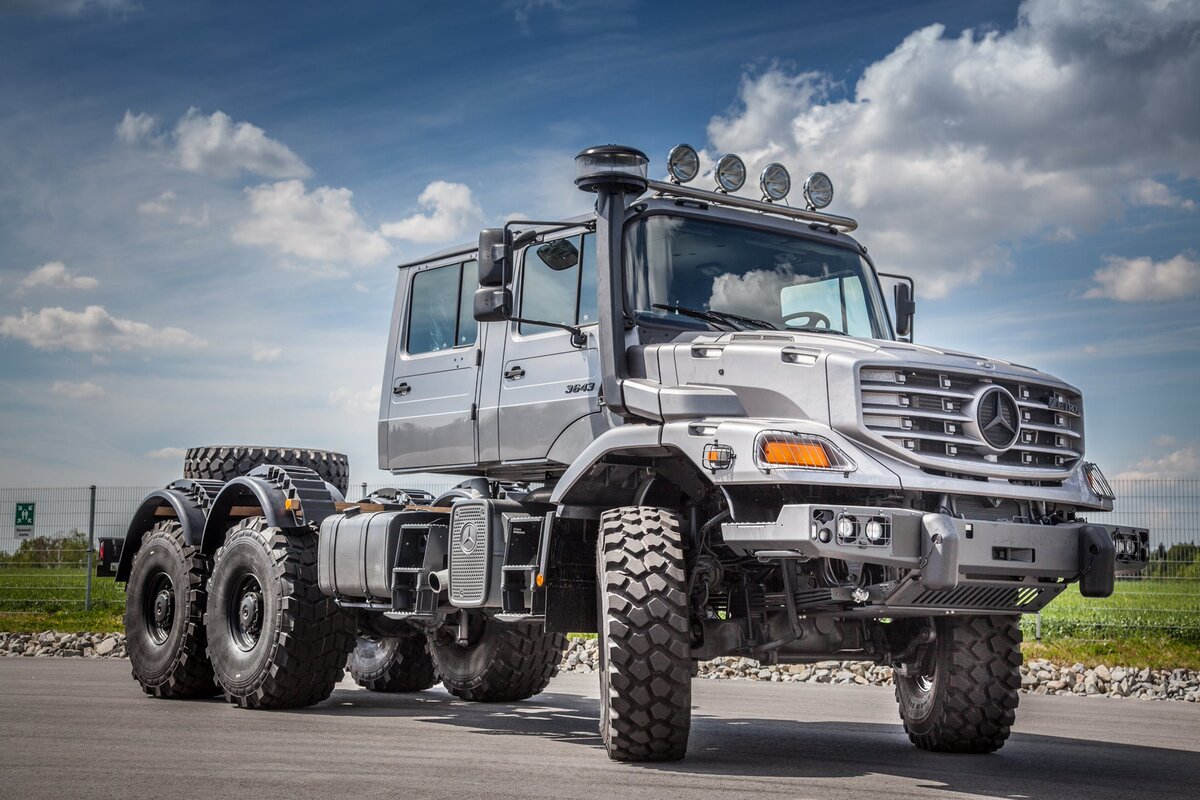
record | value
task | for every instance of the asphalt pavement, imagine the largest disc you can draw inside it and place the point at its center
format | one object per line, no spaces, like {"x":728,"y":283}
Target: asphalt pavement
{"x":83,"y":729}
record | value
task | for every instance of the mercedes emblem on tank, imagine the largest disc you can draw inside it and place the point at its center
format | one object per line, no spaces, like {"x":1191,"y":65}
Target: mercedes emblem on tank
{"x":469,"y":539}
{"x":998,"y":417}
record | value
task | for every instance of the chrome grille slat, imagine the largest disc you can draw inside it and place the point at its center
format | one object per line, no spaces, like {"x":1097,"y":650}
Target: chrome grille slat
{"x":923,"y":413}
{"x":935,"y":416}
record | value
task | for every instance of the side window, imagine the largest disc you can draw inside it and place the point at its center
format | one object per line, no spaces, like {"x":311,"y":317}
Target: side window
{"x":559,"y":283}
{"x":587,"y":283}
{"x":440,"y":314}
{"x":468,"y":328}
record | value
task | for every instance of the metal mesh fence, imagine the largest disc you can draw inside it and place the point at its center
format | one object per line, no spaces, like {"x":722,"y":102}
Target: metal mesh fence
{"x":44,"y":565}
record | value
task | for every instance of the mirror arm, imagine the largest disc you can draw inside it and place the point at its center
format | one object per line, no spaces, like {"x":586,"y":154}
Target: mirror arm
{"x":578,"y":337}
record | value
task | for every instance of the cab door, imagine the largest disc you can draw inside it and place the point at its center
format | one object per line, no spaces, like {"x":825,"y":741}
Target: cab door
{"x":547,"y":383}
{"x":430,"y":407}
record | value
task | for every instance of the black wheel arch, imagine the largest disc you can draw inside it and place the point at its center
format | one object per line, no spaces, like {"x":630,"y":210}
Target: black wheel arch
{"x":188,"y":502}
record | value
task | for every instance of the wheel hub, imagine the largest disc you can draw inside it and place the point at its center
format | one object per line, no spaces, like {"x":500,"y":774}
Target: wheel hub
{"x":158,"y":607}
{"x":246,"y":612}
{"x":163,"y":606}
{"x":250,"y":612}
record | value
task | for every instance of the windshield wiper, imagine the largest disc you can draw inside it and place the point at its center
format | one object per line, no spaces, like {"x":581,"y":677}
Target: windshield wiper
{"x":707,"y":316}
{"x":834,"y":331}
{"x":734,"y":321}
{"x":756,"y":323}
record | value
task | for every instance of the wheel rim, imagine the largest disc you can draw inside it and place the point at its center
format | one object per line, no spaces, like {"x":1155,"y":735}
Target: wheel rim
{"x":372,"y":652}
{"x":246,"y":612}
{"x":158,"y":607}
{"x":923,"y":683}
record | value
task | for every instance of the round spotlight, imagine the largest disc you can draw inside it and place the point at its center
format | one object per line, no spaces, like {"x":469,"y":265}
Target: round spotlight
{"x":874,"y":530}
{"x":818,"y":190}
{"x":731,"y":173}
{"x":846,"y":529}
{"x":775,"y":182}
{"x":683,"y":163}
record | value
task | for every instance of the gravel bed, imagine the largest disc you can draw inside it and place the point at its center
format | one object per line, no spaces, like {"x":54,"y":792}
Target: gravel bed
{"x":1037,"y":676}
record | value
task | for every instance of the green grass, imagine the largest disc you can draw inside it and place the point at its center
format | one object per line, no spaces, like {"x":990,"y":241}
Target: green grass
{"x":1155,"y":608}
{"x":50,"y":589}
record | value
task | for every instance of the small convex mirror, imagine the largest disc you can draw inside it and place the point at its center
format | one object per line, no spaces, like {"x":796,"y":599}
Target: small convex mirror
{"x":558,"y":255}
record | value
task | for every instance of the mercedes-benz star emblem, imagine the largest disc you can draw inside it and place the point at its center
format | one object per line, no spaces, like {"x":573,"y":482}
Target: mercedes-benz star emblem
{"x":998,"y":417}
{"x":468,"y":539}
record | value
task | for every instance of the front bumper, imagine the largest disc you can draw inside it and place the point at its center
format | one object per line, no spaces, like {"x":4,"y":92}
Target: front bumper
{"x":951,"y":563}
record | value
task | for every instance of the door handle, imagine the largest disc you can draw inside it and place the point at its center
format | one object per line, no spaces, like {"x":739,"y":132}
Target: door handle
{"x":514,"y":374}
{"x":401,"y":389}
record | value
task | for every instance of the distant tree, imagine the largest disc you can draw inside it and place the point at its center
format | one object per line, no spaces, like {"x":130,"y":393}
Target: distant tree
{"x":49,"y":551}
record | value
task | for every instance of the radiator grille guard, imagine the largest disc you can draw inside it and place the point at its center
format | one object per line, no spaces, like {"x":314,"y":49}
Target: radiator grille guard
{"x":470,"y":552}
{"x":949,"y":420}
{"x":997,"y":597}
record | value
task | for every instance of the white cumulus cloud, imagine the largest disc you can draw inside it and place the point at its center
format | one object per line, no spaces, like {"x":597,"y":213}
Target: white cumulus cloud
{"x":1138,"y":279}
{"x":1181,"y":463}
{"x":950,"y":149}
{"x":452,"y":213}
{"x":84,"y":390}
{"x":1149,"y":192}
{"x":321,"y":225}
{"x":355,"y":401}
{"x":55,"y":275}
{"x":216,"y":145}
{"x":136,"y":128}
{"x":92,"y":330}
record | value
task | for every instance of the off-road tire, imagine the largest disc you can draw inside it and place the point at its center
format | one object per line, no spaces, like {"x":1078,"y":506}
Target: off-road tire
{"x":969,"y":701}
{"x":168,"y":662}
{"x":299,"y":653}
{"x":504,"y":663}
{"x":645,"y":648}
{"x":392,"y":663}
{"x":224,"y":462}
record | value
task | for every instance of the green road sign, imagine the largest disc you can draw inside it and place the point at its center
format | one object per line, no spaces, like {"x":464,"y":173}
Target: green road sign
{"x":24,"y":519}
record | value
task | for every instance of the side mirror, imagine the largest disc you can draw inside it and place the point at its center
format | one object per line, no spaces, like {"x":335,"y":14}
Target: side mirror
{"x":492,"y":304}
{"x":558,"y":255}
{"x":905,"y":307}
{"x":495,"y":257}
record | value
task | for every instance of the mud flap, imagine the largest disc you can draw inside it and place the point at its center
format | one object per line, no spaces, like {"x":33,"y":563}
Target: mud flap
{"x":1097,"y":561}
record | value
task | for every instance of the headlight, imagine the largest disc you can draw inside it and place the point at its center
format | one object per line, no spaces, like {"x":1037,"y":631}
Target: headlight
{"x":775,"y":449}
{"x":683,"y":163}
{"x":818,"y":190}
{"x":775,"y":182}
{"x":1097,"y":482}
{"x":731,"y":173}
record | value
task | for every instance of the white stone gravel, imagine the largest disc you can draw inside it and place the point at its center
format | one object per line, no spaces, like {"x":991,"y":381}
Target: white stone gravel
{"x":1037,"y":676}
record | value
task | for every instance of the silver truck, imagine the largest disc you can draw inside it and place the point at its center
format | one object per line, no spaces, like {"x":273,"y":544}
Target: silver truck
{"x":694,"y":424}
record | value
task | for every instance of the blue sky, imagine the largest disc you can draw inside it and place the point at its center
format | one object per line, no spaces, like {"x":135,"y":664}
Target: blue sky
{"x":200,"y":204}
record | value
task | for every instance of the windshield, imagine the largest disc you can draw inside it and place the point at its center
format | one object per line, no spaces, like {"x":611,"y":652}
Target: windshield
{"x":703,"y":274}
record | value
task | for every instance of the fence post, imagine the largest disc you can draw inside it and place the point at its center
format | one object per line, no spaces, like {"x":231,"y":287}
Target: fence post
{"x":87,"y":598}
{"x":1037,"y":628}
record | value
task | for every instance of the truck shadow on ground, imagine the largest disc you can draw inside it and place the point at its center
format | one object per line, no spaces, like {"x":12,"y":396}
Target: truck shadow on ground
{"x":1030,"y":765}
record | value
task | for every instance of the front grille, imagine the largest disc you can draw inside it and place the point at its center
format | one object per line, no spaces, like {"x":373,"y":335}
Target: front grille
{"x":469,"y":570}
{"x":952,"y":420}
